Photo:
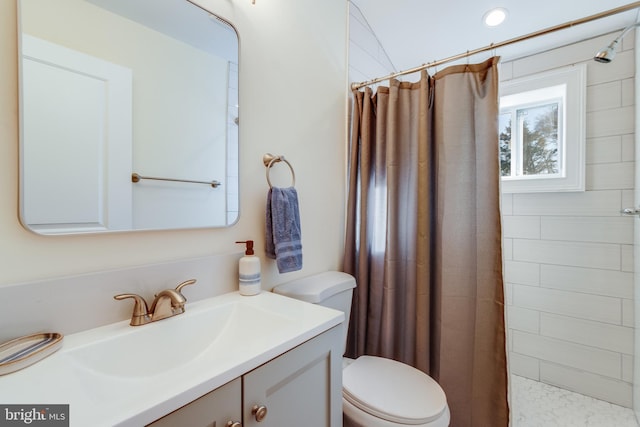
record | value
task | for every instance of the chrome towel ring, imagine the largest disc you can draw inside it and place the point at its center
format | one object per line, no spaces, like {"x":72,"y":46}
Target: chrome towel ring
{"x":269,"y":160}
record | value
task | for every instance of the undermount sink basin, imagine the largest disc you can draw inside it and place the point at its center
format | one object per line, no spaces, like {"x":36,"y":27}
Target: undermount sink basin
{"x":172,"y":343}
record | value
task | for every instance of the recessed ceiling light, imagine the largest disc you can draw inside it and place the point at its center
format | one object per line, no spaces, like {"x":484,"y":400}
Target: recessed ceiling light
{"x":495,"y":17}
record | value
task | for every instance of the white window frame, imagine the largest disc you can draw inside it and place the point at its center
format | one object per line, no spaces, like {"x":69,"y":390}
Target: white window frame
{"x":569,"y":85}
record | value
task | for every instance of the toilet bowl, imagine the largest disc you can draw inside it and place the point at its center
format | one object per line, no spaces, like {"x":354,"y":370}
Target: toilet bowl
{"x":380,"y":392}
{"x":376,"y":392}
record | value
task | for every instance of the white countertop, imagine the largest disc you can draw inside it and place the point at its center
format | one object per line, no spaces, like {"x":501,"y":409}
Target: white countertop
{"x":100,"y":399}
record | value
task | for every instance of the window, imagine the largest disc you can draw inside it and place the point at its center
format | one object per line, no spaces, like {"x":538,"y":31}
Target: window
{"x":541,"y":132}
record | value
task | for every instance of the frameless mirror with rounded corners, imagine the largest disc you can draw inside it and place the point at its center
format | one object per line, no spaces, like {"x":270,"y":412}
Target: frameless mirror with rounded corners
{"x":129,"y":116}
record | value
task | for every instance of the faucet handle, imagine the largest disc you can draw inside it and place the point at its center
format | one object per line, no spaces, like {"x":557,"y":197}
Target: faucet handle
{"x":185,"y":283}
{"x":140,"y":309}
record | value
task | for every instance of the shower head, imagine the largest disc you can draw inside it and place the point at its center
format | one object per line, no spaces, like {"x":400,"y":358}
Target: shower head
{"x":607,"y":54}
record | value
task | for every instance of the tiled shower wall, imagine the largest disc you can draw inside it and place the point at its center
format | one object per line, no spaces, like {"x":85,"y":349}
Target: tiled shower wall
{"x":232,"y":184}
{"x":367,"y":57}
{"x":569,"y":256}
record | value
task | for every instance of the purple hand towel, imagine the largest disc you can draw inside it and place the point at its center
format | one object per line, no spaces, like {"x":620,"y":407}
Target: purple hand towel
{"x":283,"y":237}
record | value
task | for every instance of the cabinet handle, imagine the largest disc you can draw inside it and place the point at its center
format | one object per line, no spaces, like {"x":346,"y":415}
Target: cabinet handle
{"x":260,"y":412}
{"x":234,"y":424}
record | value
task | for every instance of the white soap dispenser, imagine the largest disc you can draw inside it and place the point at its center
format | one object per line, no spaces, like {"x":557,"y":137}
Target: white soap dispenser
{"x":249,"y":271}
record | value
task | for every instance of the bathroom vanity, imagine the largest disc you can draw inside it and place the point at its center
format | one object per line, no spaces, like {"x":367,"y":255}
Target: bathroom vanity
{"x":290,"y":390}
{"x":265,"y":360}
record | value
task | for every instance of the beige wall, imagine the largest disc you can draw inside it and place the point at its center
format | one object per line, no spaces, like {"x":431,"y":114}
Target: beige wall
{"x":292,"y":96}
{"x":569,"y":256}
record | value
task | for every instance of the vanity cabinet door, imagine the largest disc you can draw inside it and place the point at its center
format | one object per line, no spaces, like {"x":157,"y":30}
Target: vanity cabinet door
{"x":214,"y":409}
{"x":302,"y":387}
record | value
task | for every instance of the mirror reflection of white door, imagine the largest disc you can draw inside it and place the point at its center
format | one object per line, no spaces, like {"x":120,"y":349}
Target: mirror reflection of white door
{"x":76,"y":142}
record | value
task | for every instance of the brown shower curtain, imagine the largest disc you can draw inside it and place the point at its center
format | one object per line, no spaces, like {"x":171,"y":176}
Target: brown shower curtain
{"x":424,"y":235}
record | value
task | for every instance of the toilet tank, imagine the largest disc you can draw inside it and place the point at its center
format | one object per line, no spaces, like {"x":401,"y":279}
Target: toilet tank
{"x":332,"y":289}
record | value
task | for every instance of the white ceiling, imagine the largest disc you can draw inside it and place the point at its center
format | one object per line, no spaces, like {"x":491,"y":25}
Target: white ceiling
{"x":415,"y":32}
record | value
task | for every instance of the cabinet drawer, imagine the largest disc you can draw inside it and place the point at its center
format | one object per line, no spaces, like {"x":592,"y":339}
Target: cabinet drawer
{"x":214,"y":409}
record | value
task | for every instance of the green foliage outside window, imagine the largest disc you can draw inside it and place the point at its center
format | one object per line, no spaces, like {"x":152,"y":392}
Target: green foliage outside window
{"x":538,"y":138}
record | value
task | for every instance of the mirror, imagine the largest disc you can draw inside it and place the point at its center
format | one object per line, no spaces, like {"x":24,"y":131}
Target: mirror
{"x":114,"y":90}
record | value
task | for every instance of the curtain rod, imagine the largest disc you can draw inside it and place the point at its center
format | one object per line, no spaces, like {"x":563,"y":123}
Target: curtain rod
{"x":538,"y":33}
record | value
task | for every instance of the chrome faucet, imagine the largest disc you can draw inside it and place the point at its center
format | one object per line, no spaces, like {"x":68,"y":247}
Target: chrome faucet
{"x":167,"y":303}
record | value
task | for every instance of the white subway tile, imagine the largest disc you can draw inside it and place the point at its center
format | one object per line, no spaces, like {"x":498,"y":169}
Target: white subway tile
{"x":627,"y":368}
{"x":569,"y":273}
{"x":364,"y":51}
{"x":587,"y":280}
{"x":506,"y":204}
{"x":525,"y":366}
{"x":627,"y":313}
{"x":361,"y":35}
{"x":589,"y":384}
{"x":366,"y":57}
{"x":616,"y":121}
{"x":506,"y":70}
{"x":626,"y":258}
{"x":588,"y":229}
{"x":628,"y":147}
{"x":508,"y":293}
{"x":233,"y":205}
{"x":525,"y":227}
{"x":629,"y":41}
{"x":354,"y":13}
{"x":356,"y":75}
{"x":622,"y":68}
{"x":578,"y":356}
{"x":507,"y":249}
{"x":628,"y":92}
{"x":578,"y":254}
{"x":595,"y":334}
{"x":232,"y":186}
{"x":627,"y":199}
{"x":589,"y":203}
{"x":522,"y":273}
{"x":523,"y":319}
{"x":578,"y":52}
{"x":609,"y":176}
{"x":584,"y":306}
{"x":604,"y":96}
{"x":607,"y":149}
{"x":365,"y":62}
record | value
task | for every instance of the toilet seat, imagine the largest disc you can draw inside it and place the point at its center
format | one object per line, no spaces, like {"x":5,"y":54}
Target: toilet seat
{"x":393,"y":391}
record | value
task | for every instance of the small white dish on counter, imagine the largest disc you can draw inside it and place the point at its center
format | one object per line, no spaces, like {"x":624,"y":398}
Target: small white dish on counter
{"x":25,"y":351}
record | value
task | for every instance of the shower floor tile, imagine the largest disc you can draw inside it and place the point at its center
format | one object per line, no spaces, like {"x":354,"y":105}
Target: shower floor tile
{"x":535,"y":404}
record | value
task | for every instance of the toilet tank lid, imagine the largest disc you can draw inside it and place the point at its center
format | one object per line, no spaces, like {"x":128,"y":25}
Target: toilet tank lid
{"x":317,"y":288}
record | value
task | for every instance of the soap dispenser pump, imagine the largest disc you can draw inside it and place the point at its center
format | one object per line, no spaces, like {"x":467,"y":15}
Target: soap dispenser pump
{"x":249,"y":271}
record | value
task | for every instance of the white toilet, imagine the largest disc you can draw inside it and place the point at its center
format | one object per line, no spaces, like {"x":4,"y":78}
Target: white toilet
{"x":376,"y":392}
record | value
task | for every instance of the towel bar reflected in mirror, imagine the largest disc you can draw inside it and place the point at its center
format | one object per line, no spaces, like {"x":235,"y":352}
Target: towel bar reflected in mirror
{"x":136,"y":178}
